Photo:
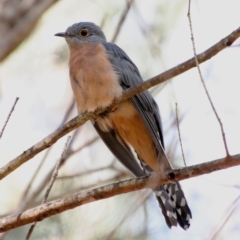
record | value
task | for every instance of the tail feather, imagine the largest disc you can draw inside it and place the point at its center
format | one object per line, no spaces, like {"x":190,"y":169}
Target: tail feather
{"x":172,"y":202}
{"x":174,"y":205}
{"x":166,"y":207}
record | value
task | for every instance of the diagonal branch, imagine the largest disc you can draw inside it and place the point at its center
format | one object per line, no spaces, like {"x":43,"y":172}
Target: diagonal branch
{"x":50,"y":185}
{"x":17,"y":20}
{"x":82,"y":118}
{"x":122,"y":19}
{"x":9,"y":116}
{"x":41,"y":212}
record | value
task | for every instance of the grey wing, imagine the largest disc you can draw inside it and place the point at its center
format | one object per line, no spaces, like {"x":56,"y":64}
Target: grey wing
{"x":120,"y":150}
{"x":170,"y":197}
{"x":143,"y":102}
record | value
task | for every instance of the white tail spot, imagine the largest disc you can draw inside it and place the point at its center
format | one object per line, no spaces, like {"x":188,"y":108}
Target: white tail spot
{"x":183,"y":202}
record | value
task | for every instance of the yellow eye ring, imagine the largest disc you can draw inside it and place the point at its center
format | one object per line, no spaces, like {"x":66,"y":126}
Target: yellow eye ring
{"x":84,"y":32}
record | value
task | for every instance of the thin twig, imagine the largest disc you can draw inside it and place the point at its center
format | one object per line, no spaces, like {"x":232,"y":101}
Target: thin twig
{"x":22,"y":202}
{"x":179,"y":136}
{"x":86,"y":144}
{"x":18,"y":21}
{"x":118,"y":177}
{"x":25,"y":200}
{"x":55,"y":207}
{"x":203,"y":82}
{"x":82,"y":118}
{"x":122,"y":19}
{"x":55,"y":172}
{"x":82,"y":174}
{"x":9,"y":115}
{"x":53,"y":178}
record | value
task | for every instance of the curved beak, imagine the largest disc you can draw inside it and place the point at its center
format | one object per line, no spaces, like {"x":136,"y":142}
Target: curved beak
{"x":62,"y":34}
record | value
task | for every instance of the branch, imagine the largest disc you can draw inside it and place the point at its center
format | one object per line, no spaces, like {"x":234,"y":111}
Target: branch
{"x":82,"y":118}
{"x":17,"y":22}
{"x":26,"y":200}
{"x":122,"y":19}
{"x":9,"y":115}
{"x":41,"y":212}
{"x":50,"y":185}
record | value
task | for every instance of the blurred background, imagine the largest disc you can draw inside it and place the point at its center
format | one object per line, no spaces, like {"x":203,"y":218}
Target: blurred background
{"x":156,"y":36}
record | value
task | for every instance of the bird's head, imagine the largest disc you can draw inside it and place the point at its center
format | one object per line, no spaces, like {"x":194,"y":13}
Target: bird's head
{"x":83,"y":32}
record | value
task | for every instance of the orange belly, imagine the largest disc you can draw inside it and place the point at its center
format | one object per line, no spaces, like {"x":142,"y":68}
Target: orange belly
{"x":131,"y":129}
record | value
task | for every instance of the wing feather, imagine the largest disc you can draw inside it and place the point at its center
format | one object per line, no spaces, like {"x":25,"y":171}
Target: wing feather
{"x":144,"y":103}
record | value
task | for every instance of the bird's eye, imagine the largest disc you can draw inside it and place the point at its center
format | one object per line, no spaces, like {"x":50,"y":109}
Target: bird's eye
{"x":84,"y":32}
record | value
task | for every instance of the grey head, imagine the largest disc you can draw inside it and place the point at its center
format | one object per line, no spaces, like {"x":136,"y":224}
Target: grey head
{"x":83,"y":32}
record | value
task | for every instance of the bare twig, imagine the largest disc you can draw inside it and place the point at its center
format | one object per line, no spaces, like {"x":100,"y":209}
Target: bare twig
{"x":53,"y":178}
{"x":86,"y":144}
{"x":82,"y":174}
{"x":51,"y":208}
{"x":25,"y":200}
{"x":9,"y":115}
{"x":118,"y":177}
{"x":55,"y":172}
{"x":122,"y":19}
{"x":203,"y":82}
{"x":82,"y":118}
{"x":18,"y":21}
{"x":179,"y":136}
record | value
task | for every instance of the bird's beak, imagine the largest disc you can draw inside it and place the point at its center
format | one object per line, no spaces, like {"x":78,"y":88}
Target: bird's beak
{"x":62,"y":34}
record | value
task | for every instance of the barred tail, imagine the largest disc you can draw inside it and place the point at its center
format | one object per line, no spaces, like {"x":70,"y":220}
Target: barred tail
{"x":174,"y":205}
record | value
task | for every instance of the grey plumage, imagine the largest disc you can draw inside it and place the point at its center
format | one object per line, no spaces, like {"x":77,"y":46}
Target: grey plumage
{"x":170,"y":196}
{"x":149,"y":113}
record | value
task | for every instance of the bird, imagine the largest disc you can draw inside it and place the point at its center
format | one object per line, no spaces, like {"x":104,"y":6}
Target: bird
{"x":99,"y":73}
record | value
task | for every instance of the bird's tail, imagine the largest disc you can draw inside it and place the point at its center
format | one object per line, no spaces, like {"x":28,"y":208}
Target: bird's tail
{"x":172,"y":202}
{"x":174,"y":205}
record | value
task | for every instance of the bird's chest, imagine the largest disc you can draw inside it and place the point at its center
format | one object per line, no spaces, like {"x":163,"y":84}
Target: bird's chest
{"x":94,"y":82}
